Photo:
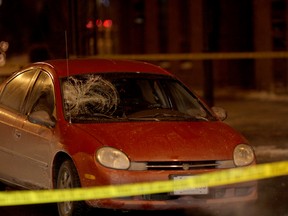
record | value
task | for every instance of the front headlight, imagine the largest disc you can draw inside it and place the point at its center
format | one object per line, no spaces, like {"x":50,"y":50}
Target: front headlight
{"x":243,"y":155}
{"x":112,"y":158}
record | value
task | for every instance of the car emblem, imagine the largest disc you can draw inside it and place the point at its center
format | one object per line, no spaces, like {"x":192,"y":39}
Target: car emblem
{"x":185,"y":166}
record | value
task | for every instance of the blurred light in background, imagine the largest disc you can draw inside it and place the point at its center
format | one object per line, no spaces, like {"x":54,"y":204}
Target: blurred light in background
{"x":89,"y":24}
{"x":99,"y":23}
{"x":107,"y":23}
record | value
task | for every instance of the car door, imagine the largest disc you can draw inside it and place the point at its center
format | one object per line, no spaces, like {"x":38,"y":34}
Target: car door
{"x":12,"y":98}
{"x":34,"y":144}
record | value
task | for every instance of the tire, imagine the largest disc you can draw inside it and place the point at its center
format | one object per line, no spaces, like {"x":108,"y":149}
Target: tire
{"x":68,"y":178}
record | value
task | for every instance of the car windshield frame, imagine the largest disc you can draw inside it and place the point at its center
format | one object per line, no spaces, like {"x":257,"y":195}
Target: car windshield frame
{"x":127,"y":96}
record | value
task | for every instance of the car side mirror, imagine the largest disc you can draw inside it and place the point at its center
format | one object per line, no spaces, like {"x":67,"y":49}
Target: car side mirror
{"x":220,"y":113}
{"x":41,"y":117}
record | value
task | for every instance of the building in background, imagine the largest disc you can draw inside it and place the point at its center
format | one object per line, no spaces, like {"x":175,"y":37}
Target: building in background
{"x":95,"y":27}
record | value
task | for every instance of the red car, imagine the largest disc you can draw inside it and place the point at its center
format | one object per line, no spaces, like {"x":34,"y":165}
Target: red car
{"x":92,"y":122}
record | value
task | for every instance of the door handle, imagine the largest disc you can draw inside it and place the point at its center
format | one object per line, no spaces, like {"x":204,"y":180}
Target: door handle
{"x":17,"y":134}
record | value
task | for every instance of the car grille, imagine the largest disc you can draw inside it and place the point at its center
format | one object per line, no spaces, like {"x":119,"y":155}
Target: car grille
{"x":181,"y":165}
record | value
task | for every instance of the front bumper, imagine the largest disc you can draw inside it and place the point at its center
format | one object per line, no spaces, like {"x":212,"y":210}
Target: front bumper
{"x":234,"y":193}
{"x":238,"y":193}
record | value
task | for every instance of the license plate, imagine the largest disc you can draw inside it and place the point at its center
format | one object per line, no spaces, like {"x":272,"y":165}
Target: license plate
{"x":191,"y":191}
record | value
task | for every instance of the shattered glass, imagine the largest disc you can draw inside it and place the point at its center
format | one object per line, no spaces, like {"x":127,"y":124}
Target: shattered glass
{"x":89,"y":95}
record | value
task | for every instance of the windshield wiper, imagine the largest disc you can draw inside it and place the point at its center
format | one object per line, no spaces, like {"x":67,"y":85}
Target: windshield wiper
{"x":91,"y":116}
{"x":157,"y":117}
{"x":102,"y":115}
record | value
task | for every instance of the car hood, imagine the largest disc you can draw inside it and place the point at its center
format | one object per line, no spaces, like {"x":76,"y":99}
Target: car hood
{"x":160,"y":141}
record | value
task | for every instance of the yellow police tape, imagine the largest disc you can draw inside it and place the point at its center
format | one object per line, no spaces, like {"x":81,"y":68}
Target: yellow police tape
{"x":224,"y":177}
{"x":199,"y":56}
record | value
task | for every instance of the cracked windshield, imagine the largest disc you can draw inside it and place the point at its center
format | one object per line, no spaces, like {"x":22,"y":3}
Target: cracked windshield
{"x":128,"y":97}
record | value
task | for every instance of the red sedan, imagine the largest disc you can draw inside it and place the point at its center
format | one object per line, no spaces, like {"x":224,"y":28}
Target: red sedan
{"x":91,"y":122}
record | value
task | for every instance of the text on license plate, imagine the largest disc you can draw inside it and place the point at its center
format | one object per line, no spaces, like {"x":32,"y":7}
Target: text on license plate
{"x":190,"y":191}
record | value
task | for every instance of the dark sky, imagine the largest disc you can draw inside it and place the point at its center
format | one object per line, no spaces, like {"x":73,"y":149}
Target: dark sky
{"x":26,"y":22}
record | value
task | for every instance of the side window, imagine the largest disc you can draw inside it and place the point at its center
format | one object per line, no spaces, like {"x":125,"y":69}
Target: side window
{"x":15,"y":92}
{"x":42,"y":95}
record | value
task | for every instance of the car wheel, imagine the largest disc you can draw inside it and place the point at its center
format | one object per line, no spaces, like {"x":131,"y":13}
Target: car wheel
{"x":68,"y":178}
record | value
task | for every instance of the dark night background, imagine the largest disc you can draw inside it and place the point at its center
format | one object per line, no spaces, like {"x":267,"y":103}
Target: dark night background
{"x":41,"y":28}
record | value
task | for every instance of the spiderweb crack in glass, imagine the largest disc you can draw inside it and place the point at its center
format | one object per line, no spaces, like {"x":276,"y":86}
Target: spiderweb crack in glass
{"x":90,"y":95}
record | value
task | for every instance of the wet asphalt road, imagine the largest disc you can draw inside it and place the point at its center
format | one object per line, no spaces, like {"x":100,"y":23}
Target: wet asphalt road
{"x":265,"y":124}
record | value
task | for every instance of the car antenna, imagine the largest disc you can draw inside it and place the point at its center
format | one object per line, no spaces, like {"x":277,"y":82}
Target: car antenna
{"x":67,"y":66}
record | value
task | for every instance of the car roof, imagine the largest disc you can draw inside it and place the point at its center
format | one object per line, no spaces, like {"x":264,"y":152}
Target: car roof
{"x":64,"y":67}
